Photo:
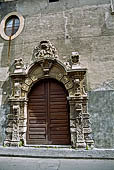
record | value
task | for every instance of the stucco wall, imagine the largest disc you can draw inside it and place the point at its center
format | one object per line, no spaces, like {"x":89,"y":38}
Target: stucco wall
{"x":71,"y":25}
{"x":101,"y":108}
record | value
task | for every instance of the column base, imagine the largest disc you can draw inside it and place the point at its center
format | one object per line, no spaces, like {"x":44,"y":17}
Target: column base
{"x":11,"y":143}
{"x":81,"y":145}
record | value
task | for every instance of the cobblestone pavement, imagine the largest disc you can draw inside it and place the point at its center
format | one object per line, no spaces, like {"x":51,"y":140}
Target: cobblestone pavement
{"x":14,"y":163}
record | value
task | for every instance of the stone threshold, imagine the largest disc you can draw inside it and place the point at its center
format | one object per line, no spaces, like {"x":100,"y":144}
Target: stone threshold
{"x":49,"y":146}
{"x":54,"y":153}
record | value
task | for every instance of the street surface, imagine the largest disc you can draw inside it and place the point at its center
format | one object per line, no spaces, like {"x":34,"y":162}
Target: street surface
{"x":13,"y":163}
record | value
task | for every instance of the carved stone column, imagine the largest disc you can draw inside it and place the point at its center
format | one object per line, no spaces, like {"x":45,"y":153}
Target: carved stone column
{"x":15,"y":129}
{"x":76,"y":119}
{"x":79,"y":117}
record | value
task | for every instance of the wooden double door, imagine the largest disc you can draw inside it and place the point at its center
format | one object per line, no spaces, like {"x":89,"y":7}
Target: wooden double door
{"x":48,"y":114}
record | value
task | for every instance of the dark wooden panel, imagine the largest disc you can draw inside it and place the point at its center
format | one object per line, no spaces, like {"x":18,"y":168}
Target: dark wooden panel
{"x":37,"y":136}
{"x":37,"y":107}
{"x":58,"y":110}
{"x":60,"y":141}
{"x":36,"y":133}
{"x":58,"y":125}
{"x":37,"y":98}
{"x":37,"y":129}
{"x":58,"y":117}
{"x":32,"y":121}
{"x":42,"y":114}
{"x":37,"y":125}
{"x":38,"y":118}
{"x":37,"y":111}
{"x":59,"y":121}
{"x":58,"y":103}
{"x":59,"y":136}
{"x":37,"y":103}
{"x":59,"y":128}
{"x":59,"y":133}
{"x":58,"y":106}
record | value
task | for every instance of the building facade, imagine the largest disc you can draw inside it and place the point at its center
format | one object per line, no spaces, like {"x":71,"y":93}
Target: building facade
{"x":62,"y":45}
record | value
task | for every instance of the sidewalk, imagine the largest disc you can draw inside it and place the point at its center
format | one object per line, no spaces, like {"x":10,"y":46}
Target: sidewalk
{"x":65,"y":153}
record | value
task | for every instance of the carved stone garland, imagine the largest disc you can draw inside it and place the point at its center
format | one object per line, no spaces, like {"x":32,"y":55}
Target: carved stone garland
{"x":47,"y":65}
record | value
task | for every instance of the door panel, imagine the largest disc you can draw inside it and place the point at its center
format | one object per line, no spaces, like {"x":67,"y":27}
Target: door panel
{"x":48,"y":118}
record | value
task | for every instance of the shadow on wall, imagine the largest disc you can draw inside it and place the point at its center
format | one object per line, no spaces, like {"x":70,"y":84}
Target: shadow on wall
{"x":5,"y":60}
{"x":8,"y":50}
{"x":4,"y":109}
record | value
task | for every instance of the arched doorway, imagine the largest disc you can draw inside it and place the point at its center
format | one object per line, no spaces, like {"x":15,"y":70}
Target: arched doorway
{"x":41,"y":115}
{"x":48,"y":114}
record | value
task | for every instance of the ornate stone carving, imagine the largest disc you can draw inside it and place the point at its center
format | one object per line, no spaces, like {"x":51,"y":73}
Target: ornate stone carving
{"x":76,"y":86}
{"x":25,"y":87}
{"x":59,"y":76}
{"x":47,"y":66}
{"x":65,"y":79}
{"x":75,"y":58}
{"x":15,"y":130}
{"x":45,"y":50}
{"x":17,"y":89}
{"x":28,"y":81}
{"x":69,"y":85}
{"x":73,"y":62}
{"x":17,"y":66}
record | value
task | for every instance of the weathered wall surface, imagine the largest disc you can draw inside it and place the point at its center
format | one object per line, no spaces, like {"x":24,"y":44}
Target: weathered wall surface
{"x":71,"y":25}
{"x":101,"y":107}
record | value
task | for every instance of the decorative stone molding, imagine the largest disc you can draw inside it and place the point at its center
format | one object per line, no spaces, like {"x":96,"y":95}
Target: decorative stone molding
{"x":17,"y":66}
{"x":47,"y":65}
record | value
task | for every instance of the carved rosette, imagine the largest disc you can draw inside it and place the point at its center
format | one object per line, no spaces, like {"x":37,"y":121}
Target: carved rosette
{"x":47,"y":65}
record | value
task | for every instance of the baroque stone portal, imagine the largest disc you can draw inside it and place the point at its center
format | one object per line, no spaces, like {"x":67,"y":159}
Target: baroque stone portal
{"x":46,"y":64}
